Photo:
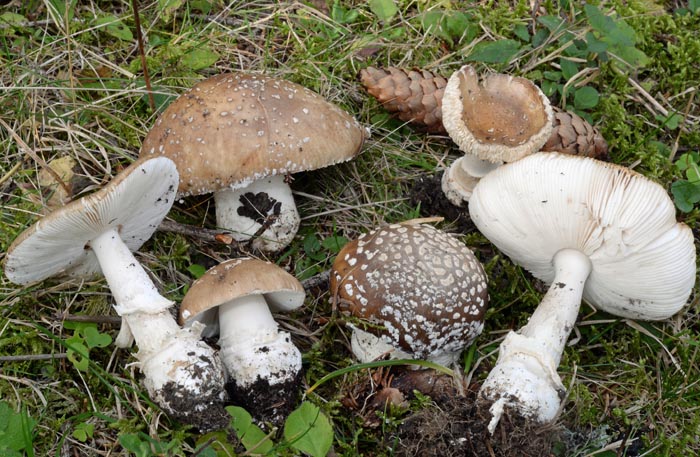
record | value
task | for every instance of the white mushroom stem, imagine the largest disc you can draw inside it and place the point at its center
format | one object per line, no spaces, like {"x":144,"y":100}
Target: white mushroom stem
{"x":282,"y":227}
{"x":525,"y":377}
{"x":168,"y":355}
{"x":460,"y":178}
{"x":252,"y":347}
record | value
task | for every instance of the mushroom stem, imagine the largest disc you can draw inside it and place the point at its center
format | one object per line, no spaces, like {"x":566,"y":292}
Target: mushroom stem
{"x":177,"y":366}
{"x":525,"y":377}
{"x":460,"y":178}
{"x":266,"y":204}
{"x":476,"y":167}
{"x":252,"y":347}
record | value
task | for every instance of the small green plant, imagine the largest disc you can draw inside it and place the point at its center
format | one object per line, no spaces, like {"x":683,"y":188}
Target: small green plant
{"x":16,"y":432}
{"x":83,"y":431}
{"x":85,"y":337}
{"x":686,"y":192}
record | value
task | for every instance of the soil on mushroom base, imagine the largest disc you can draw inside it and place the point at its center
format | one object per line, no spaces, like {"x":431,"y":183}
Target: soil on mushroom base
{"x":458,"y":428}
{"x":205,"y":414}
{"x":427,"y":191}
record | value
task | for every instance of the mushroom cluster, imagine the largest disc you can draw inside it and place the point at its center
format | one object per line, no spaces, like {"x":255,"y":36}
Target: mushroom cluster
{"x":422,"y":293}
{"x":97,"y":234}
{"x":593,"y":231}
{"x":498,"y":118}
{"x":239,"y":135}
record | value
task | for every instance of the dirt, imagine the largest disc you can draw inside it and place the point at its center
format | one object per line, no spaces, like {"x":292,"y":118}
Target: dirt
{"x":258,"y":206}
{"x":427,"y":191}
{"x":266,"y":403}
{"x":204,"y":414}
{"x":457,"y":427}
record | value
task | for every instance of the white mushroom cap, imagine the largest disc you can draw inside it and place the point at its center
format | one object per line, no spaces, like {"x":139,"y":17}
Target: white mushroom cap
{"x":500,"y":119}
{"x":133,"y":203}
{"x":424,"y":288}
{"x":643,"y":261}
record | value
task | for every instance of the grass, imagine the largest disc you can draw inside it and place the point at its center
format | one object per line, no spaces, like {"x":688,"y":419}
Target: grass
{"x":71,"y":84}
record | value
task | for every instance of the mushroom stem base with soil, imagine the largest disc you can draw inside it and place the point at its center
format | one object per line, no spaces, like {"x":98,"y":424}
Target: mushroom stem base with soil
{"x":525,"y":377}
{"x":258,"y":356}
{"x":177,"y":366}
{"x":265,"y":204}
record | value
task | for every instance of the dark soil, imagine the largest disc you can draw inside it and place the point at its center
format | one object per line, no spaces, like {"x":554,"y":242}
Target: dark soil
{"x":267,"y":403}
{"x":204,"y":414}
{"x":427,"y":191}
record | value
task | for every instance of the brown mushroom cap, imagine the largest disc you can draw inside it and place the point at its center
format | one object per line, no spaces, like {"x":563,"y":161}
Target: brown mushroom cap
{"x":502,"y":118}
{"x":236,"y":278}
{"x":424,"y":287}
{"x":233,"y":128}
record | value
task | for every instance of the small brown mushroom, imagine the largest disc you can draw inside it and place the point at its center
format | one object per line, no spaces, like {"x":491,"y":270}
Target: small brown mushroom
{"x":238,"y":135}
{"x":421,"y":291}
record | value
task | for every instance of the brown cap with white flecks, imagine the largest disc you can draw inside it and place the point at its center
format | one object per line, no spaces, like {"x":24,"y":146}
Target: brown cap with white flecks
{"x":236,"y":278}
{"x":233,"y":128}
{"x":424,"y":287}
{"x":500,"y":118}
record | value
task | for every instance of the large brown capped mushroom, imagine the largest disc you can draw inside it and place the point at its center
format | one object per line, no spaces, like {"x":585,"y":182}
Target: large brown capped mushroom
{"x":238,"y":135}
{"x":423,"y":293}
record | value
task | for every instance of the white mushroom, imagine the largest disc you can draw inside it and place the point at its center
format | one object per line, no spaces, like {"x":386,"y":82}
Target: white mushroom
{"x":234,"y":300}
{"x":498,"y":119}
{"x":238,"y":135}
{"x":98,"y":233}
{"x":592,"y":230}
{"x":423,"y":293}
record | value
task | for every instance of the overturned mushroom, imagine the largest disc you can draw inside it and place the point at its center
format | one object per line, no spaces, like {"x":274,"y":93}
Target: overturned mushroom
{"x":98,"y":233}
{"x":594,"y":231}
{"x":421,"y":291}
{"x":234,"y":301}
{"x":238,"y":135}
{"x":498,"y":119}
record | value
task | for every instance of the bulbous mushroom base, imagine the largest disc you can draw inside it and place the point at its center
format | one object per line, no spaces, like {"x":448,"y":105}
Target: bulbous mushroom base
{"x":367,"y":348}
{"x":186,"y":379}
{"x":263,"y":212}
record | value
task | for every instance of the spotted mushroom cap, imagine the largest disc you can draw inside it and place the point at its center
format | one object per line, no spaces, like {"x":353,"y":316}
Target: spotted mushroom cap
{"x":425,"y":289}
{"x":236,"y":278}
{"x":643,"y":260}
{"x":500,"y":119}
{"x":234,"y":128}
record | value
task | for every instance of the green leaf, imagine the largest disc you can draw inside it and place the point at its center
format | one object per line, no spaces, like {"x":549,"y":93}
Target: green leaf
{"x":250,"y":435}
{"x":334,"y":243}
{"x":522,"y":32}
{"x":586,"y":97}
{"x":77,"y":352}
{"x":461,"y":26}
{"x":62,"y":11}
{"x":83,"y":431}
{"x":672,"y":121}
{"x":16,"y":429}
{"x":598,"y":21}
{"x":552,"y":23}
{"x":95,"y":339}
{"x":568,"y":68}
{"x":12,"y":19}
{"x":308,"y":430}
{"x":685,"y":194}
{"x":500,"y":51}
{"x":131,"y":442}
{"x":694,"y":6}
{"x":632,"y":56}
{"x":594,"y":45}
{"x":383,"y":9}
{"x":201,"y":57}
{"x":115,"y":27}
{"x":168,"y":7}
{"x":196,"y":270}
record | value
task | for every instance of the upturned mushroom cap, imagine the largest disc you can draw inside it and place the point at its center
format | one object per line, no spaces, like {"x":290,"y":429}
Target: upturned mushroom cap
{"x":236,"y":278}
{"x":424,"y":287}
{"x":134,"y":203}
{"x":501,"y":119}
{"x":231,"y":129}
{"x":643,"y":261}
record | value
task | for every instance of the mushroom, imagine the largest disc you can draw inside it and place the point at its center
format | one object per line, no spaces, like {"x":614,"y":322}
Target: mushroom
{"x":500,"y":119}
{"x":238,"y":135}
{"x":594,"y":231}
{"x":422,"y":293}
{"x":97,"y":233}
{"x":234,"y":300}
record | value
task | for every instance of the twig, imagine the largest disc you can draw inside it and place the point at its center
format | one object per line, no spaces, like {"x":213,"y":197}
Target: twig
{"x":144,"y":64}
{"x":216,"y":236}
{"x":30,"y":357}
{"x":316,"y":280}
{"x":109,"y":320}
{"x":12,"y":171}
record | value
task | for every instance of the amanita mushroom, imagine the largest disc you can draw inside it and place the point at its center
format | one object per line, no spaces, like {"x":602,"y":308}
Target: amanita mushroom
{"x":423,"y":293}
{"x":98,"y":233}
{"x":238,"y":135}
{"x":498,"y":119}
{"x":592,"y":230}
{"x":234,"y":300}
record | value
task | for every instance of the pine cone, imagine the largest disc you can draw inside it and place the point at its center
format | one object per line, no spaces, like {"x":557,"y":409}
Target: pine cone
{"x":414,"y":96}
{"x":574,"y":135}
